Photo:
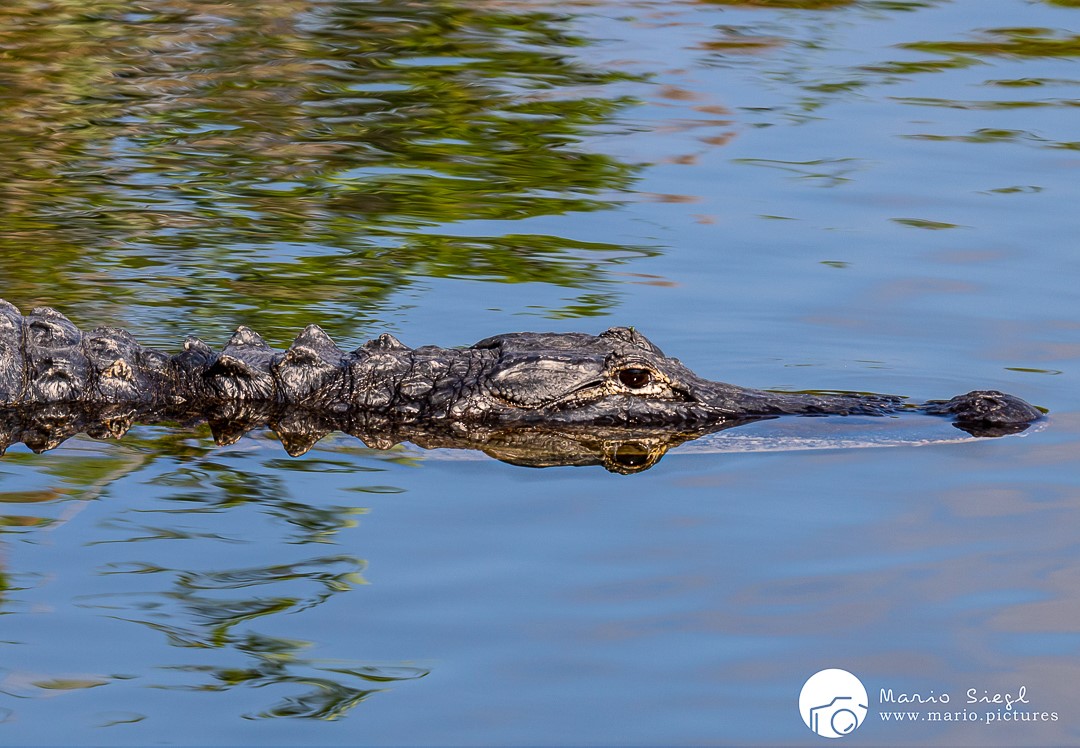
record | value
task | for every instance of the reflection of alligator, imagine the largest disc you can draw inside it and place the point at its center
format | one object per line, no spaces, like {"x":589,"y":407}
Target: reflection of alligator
{"x":527,"y":383}
{"x":620,"y":450}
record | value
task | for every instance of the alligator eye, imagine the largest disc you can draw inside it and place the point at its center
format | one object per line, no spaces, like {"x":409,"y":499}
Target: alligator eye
{"x":635,"y":379}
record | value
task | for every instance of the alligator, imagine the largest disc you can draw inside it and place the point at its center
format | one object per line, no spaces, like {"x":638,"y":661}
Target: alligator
{"x":503,"y":389}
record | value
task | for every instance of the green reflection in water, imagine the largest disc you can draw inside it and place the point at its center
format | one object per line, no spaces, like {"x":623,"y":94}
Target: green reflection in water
{"x":1008,"y":42}
{"x":986,"y":105}
{"x":72,"y":480}
{"x":922,"y":223}
{"x":330,"y":696}
{"x":214,"y":608}
{"x":329,"y":689}
{"x":902,"y":5}
{"x":821,"y":172}
{"x":798,"y":4}
{"x":254,"y":161}
{"x":994,"y":135}
{"x":211,"y":487}
{"x":211,"y":618}
{"x":803,"y":59}
{"x":909,"y":67}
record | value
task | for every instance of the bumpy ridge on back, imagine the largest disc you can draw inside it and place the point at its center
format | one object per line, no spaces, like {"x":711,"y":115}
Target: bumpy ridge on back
{"x":45,"y":358}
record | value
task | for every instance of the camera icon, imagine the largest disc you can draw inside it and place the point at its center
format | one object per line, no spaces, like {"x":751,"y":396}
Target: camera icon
{"x":833,"y":703}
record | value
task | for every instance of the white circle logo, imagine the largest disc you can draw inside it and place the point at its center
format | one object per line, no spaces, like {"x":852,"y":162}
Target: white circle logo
{"x":833,"y":703}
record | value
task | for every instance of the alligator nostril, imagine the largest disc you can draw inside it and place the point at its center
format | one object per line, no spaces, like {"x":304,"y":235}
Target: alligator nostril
{"x":635,"y":379}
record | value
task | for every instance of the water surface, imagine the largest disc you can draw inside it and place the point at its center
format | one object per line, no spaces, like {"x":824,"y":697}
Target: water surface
{"x":874,"y":196}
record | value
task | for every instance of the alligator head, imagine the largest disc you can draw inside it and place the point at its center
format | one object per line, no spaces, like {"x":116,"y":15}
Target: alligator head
{"x":618,"y":378}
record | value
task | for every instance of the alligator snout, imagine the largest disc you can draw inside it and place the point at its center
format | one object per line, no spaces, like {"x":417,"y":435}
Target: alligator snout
{"x":986,"y":412}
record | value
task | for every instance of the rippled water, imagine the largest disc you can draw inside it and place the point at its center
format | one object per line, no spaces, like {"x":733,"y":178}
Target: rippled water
{"x":875,"y":196}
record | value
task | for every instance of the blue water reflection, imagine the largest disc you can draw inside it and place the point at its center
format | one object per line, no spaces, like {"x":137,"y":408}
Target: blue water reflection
{"x":871,"y":196}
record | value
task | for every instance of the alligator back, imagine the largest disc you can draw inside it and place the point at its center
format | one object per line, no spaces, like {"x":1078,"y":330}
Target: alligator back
{"x":45,"y":358}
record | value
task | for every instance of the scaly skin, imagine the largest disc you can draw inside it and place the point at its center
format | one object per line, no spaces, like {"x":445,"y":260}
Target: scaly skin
{"x":519,"y":380}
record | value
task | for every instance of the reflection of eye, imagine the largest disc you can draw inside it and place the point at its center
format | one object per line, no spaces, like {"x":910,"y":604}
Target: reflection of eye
{"x":635,"y":379}
{"x":631,"y":456}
